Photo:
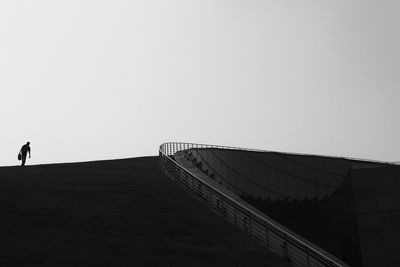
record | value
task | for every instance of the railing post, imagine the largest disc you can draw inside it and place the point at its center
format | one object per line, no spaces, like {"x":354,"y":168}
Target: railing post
{"x":285,"y":249}
{"x":250,"y":231}
{"x":223,"y":207}
{"x":235,"y":214}
{"x":267,"y":237}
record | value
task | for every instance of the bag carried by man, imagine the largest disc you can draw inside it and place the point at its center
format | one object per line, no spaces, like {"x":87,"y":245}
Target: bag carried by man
{"x":19,"y":156}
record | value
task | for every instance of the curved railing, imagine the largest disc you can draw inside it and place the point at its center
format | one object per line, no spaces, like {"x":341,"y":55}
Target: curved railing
{"x":276,"y":238}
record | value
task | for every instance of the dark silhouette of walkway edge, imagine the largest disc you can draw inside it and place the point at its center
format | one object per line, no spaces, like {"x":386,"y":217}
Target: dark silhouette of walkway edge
{"x":113,"y":213}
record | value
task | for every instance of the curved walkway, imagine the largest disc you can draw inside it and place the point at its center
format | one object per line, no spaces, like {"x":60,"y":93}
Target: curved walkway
{"x":277,"y":239}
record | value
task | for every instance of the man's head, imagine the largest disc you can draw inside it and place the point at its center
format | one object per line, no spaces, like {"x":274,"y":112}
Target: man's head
{"x":28,"y":143}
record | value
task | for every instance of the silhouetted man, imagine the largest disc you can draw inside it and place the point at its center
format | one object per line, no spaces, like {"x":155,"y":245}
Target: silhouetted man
{"x":24,"y":151}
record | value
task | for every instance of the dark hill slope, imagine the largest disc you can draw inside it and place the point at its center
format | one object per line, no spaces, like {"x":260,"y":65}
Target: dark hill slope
{"x":113,"y":213}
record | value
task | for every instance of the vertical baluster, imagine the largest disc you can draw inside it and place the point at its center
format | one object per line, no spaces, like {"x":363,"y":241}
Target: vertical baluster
{"x":250,"y":228}
{"x":267,"y":237}
{"x":235,"y":214}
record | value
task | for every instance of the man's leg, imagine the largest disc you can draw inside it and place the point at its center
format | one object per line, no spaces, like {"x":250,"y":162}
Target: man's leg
{"x":23,"y":160}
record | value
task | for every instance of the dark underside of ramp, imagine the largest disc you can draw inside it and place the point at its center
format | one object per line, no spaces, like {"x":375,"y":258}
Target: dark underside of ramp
{"x":113,"y":213}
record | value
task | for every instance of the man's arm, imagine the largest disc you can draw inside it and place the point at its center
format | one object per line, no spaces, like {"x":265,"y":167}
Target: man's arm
{"x":29,"y":150}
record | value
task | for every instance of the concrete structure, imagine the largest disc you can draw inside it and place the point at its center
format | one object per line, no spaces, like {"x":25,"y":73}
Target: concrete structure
{"x":349,"y":207}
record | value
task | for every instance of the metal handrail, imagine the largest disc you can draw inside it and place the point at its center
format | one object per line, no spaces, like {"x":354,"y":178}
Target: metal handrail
{"x":291,"y":153}
{"x":322,"y":257}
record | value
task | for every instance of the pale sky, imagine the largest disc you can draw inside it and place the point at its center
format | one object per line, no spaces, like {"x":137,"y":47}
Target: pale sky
{"x":87,"y":80}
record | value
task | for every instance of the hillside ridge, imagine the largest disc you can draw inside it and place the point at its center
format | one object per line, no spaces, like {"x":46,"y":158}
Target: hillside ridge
{"x":122,"y":212}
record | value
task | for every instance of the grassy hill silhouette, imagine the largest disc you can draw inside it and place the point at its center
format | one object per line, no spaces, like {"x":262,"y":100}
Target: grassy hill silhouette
{"x":113,"y":213}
